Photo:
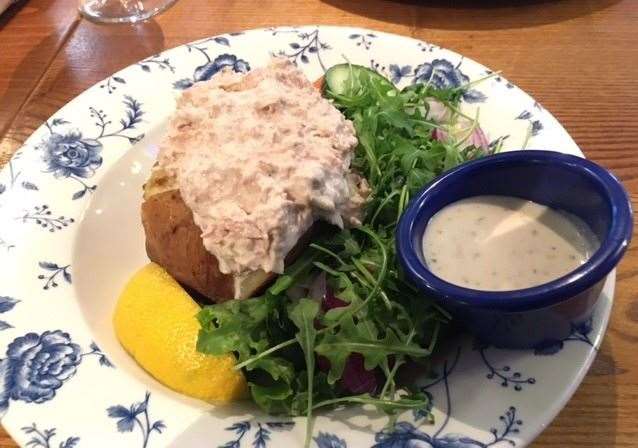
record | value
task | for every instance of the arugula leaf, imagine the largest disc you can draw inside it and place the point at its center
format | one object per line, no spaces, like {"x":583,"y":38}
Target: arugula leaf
{"x":234,"y":326}
{"x":303,"y":314}
{"x":245,"y":327}
{"x":279,"y":369}
{"x":394,"y":128}
{"x":353,"y":337}
{"x":298,"y":270}
{"x":274,"y":399}
{"x":416,"y":401}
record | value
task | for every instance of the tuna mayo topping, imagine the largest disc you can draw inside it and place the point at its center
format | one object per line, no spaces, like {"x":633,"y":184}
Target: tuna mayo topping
{"x":258,"y":158}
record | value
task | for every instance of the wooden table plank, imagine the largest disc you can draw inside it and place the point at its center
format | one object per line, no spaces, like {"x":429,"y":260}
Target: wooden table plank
{"x":579,"y":58}
{"x":30,"y":35}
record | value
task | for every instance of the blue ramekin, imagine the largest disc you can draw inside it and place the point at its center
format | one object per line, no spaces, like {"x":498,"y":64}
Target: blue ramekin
{"x":542,"y":315}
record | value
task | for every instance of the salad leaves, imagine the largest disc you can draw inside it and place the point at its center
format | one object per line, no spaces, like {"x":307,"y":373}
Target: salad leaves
{"x":295,"y":351}
{"x":303,"y":313}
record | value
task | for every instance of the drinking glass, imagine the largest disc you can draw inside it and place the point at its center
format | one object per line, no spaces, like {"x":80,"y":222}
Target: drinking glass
{"x":118,"y":11}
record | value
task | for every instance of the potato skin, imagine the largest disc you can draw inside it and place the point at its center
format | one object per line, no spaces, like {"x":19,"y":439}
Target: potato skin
{"x":174,"y":241}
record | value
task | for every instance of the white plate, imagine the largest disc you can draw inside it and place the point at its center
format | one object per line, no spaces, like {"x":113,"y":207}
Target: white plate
{"x":70,"y":236}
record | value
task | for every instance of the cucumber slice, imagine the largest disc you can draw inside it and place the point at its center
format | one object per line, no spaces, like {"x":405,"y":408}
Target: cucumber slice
{"x":345,"y":78}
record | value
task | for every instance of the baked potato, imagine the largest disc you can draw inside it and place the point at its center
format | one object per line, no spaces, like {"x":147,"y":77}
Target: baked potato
{"x":174,"y":241}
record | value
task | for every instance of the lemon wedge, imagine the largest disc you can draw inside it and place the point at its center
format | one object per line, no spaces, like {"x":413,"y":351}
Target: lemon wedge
{"x":155,"y":322}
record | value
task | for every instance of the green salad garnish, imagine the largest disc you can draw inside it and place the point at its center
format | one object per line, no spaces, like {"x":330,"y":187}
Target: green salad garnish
{"x":304,"y":354}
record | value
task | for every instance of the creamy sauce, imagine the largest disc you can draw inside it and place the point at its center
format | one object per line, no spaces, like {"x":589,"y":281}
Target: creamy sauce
{"x":501,"y":243}
{"x":258,"y":158}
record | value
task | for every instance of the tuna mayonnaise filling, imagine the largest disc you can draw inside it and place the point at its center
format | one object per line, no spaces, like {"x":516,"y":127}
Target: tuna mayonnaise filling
{"x":258,"y":158}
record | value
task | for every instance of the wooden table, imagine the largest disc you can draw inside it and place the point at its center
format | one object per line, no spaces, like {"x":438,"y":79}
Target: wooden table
{"x":579,"y":58}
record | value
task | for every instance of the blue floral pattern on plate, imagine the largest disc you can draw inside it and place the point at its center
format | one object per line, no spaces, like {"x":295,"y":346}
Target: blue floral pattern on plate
{"x":211,"y":67}
{"x":6,"y":304}
{"x":136,"y":416}
{"x":53,"y":272}
{"x":440,"y":73}
{"x":580,"y":333}
{"x":43,"y":217}
{"x":535,"y":126}
{"x":14,"y":181}
{"x":364,"y":40}
{"x":43,"y":438}
{"x":36,"y":366}
{"x":48,"y":188}
{"x":69,"y":154}
{"x":305,"y":46}
{"x":262,"y":433}
{"x":405,"y":434}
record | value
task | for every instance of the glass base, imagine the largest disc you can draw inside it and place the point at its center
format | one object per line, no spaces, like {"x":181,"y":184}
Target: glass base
{"x":122,"y":11}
